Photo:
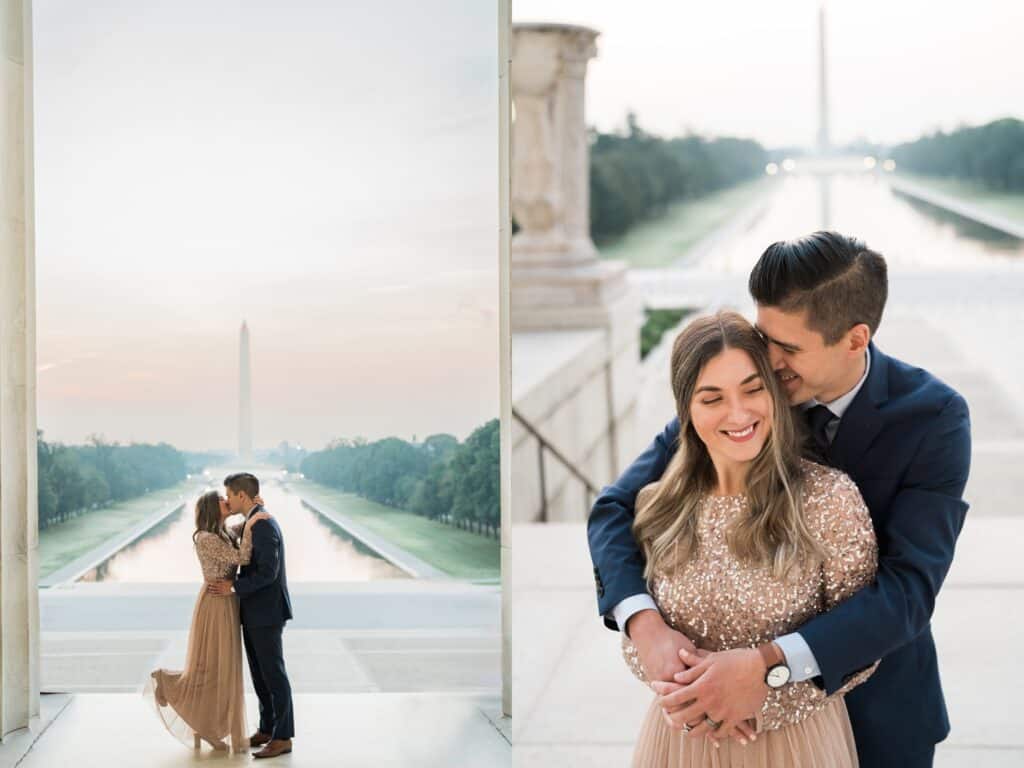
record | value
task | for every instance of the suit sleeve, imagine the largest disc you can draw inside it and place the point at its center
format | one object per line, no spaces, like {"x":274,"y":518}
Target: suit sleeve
{"x":916,"y":544}
{"x":265,"y":558}
{"x":618,"y":561}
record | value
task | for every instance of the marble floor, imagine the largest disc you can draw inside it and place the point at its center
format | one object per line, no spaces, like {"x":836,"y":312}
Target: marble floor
{"x":347,"y":730}
{"x":384,"y":674}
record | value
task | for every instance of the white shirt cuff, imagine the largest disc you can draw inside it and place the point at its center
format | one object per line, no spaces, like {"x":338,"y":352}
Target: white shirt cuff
{"x":799,"y":658}
{"x":622,"y":612}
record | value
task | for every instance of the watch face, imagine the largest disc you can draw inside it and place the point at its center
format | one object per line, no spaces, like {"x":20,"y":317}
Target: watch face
{"x":778,"y":676}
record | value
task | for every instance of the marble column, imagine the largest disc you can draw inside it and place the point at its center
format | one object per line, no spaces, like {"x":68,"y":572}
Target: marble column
{"x":575,"y":320}
{"x":557,"y":279}
{"x":505,"y":347}
{"x":19,"y":530}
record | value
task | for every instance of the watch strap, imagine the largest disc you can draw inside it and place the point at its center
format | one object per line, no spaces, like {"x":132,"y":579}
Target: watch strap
{"x":771,"y":654}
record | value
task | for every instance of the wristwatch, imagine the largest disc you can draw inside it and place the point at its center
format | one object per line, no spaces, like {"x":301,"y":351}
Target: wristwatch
{"x":778,"y":673}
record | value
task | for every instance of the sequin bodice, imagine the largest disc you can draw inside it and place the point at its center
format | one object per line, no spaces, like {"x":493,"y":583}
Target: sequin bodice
{"x":218,"y":558}
{"x":720,"y":602}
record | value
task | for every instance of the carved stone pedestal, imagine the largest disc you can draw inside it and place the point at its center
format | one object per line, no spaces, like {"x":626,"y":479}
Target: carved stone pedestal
{"x":557,"y":279}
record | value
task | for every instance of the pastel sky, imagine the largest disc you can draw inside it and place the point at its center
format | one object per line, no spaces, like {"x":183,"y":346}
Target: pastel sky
{"x":325,"y":171}
{"x":898,"y":68}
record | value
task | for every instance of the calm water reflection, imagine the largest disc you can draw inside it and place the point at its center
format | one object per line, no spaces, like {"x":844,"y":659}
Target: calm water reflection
{"x":911,"y":235}
{"x":316,"y":550}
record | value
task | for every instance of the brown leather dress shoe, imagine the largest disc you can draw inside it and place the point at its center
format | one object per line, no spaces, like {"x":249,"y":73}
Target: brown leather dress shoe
{"x":274,"y":748}
{"x":259,"y":738}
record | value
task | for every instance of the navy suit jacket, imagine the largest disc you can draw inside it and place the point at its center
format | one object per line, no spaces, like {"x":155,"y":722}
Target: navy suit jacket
{"x":905,"y":441}
{"x":262,"y":585}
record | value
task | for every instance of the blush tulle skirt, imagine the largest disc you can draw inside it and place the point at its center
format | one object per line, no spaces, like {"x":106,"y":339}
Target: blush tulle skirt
{"x":823,"y":739}
{"x":205,"y":701}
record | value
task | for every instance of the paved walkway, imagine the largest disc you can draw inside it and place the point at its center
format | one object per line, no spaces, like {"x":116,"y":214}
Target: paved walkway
{"x":959,"y":206}
{"x":577,"y":705}
{"x":399,"y":635}
{"x":414,"y":566}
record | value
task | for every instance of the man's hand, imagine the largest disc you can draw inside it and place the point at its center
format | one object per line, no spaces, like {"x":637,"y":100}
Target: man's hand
{"x":744,"y":732}
{"x":658,"y":645}
{"x":220,"y":587}
{"x":727,"y":686}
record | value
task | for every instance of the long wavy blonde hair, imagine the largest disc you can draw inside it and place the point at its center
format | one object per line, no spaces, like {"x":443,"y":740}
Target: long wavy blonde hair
{"x":773,"y":533}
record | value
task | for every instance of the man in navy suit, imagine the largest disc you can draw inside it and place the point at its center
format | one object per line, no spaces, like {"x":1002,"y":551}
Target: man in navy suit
{"x":903,"y":436}
{"x":265,"y":606}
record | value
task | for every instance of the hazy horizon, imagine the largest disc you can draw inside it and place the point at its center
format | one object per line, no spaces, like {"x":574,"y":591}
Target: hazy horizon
{"x":327,"y":174}
{"x":750,"y":69}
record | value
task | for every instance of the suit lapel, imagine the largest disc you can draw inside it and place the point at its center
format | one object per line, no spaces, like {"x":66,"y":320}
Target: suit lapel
{"x":863,"y":420}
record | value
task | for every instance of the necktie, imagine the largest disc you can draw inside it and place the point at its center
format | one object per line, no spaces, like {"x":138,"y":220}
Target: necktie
{"x":818,"y":419}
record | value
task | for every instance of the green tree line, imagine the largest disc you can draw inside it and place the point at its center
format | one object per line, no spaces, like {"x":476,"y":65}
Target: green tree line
{"x":76,"y":478}
{"x":658,"y":322}
{"x":636,"y":175}
{"x":439,"y":478}
{"x":990,"y":154}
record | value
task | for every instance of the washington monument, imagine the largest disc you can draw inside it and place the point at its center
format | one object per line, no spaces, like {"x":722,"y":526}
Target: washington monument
{"x":244,"y":396}
{"x":824,"y":140}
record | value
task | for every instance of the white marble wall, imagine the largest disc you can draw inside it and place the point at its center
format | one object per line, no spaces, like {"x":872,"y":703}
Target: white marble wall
{"x":19,"y":603}
{"x":579,"y":389}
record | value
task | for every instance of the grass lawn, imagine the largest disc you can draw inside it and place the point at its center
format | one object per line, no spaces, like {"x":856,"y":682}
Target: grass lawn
{"x":60,"y":544}
{"x":462,"y":554}
{"x":663,"y":241}
{"x":1002,"y":203}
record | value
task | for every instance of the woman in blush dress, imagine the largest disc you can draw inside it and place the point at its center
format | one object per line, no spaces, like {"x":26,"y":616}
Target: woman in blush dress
{"x":744,"y":542}
{"x":205,"y":700}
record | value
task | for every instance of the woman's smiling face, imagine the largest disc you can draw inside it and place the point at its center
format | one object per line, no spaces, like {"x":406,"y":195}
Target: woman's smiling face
{"x":731,"y":410}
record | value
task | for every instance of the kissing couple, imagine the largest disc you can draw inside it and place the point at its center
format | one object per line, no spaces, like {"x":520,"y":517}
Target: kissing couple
{"x":244,"y":598}
{"x":773,"y":558}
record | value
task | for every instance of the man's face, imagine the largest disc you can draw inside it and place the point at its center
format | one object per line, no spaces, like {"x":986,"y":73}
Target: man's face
{"x":804,"y":364}
{"x":235,"y":501}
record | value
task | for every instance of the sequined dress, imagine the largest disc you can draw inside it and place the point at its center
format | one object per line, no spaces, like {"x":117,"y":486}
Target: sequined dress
{"x":205,"y":699}
{"x":721,"y":603}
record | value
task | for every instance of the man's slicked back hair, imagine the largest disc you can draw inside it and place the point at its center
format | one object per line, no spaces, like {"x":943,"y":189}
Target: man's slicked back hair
{"x":837,"y":279}
{"x":243,"y":482}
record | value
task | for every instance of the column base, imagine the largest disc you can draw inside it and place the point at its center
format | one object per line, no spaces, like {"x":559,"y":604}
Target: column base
{"x":545,"y":250}
{"x":590,"y":295}
{"x":17,"y":744}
